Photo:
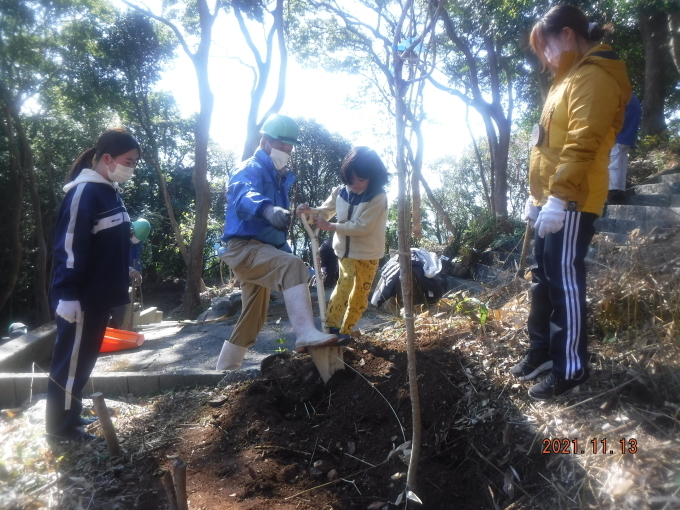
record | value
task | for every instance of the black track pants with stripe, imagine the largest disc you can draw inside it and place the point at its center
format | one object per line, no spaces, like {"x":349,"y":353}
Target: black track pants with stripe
{"x":75,"y":354}
{"x":557,"y":319}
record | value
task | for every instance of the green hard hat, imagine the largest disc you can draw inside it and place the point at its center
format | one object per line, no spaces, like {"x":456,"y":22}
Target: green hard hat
{"x":17,"y":329}
{"x":141,"y":228}
{"x":281,"y":127}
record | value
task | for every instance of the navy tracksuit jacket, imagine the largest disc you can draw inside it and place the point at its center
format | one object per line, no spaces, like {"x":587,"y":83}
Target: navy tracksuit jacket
{"x":91,"y":259}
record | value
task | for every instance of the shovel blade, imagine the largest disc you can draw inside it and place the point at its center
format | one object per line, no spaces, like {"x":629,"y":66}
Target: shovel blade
{"x":328,"y":360}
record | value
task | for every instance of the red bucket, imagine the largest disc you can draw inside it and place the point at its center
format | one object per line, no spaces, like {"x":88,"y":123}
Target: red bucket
{"x":119,"y":340}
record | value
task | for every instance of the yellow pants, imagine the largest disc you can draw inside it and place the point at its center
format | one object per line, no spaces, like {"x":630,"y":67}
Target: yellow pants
{"x":350,"y":296}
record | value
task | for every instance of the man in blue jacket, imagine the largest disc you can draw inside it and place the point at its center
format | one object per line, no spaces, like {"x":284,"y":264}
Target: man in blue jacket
{"x":618,"y":157}
{"x":257,"y":219}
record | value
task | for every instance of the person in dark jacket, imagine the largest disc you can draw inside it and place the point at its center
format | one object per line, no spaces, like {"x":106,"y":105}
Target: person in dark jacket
{"x":91,"y":267}
{"x":139,"y":232}
{"x":328,"y":260}
{"x":618,"y":157}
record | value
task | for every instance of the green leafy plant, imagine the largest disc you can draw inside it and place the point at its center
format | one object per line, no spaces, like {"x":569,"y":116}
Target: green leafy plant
{"x":281,"y":342}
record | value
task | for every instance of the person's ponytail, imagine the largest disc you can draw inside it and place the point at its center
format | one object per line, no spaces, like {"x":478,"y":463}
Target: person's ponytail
{"x":85,"y":160}
{"x":597,"y":32}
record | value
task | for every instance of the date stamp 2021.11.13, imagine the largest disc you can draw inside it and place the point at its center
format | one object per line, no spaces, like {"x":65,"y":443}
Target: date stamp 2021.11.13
{"x":595,"y":446}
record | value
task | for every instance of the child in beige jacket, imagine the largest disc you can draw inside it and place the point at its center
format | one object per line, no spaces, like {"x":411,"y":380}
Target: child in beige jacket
{"x":360,"y":207}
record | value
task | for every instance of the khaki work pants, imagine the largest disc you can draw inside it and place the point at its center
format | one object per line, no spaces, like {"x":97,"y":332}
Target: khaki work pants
{"x":261,"y":268}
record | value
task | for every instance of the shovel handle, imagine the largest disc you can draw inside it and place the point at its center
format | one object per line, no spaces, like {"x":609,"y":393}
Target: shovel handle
{"x":320,"y":291}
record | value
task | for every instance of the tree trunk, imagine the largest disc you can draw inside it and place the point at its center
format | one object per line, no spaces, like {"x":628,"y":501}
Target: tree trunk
{"x":405,"y":269}
{"x":144,"y":118}
{"x":10,"y":271}
{"x":200,"y":174}
{"x":480,"y":165}
{"x":253,"y":125}
{"x":438,"y":207}
{"x":500,"y":192}
{"x":674,"y":29}
{"x":415,"y":192}
{"x":653,"y":28}
{"x":42,"y":311}
{"x":168,"y":206}
{"x":417,"y":163}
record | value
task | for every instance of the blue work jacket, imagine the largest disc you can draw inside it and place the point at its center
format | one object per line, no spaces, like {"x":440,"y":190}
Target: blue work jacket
{"x":254,"y":187}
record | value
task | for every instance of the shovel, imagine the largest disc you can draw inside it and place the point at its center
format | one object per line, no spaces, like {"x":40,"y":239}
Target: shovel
{"x":328,"y":360}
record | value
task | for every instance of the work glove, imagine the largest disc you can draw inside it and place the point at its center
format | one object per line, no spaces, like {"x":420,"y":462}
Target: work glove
{"x":530,"y":211}
{"x":70,"y":310}
{"x":551,"y":217}
{"x":135,"y":274}
{"x":302,"y":209}
{"x":277,"y":216}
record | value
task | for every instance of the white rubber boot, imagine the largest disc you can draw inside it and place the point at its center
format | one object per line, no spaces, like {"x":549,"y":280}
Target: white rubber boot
{"x":231,"y":356}
{"x":299,"y":308}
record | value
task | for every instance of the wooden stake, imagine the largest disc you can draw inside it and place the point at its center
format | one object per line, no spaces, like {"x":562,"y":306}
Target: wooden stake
{"x":107,"y":426}
{"x":179,"y":475}
{"x":170,"y":490}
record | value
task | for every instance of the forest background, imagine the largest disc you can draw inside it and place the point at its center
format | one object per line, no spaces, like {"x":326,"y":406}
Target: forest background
{"x":193,"y":80}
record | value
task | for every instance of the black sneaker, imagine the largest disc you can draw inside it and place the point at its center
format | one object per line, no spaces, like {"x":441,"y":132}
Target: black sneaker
{"x":343,"y":339}
{"x":77,"y":435}
{"x":532,"y":365}
{"x":616,"y":197}
{"x":554,"y":386}
{"x":84,"y":421}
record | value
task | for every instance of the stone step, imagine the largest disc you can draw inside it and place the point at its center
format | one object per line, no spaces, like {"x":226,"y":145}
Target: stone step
{"x":624,"y":226}
{"x":665,"y":188}
{"x":643,"y":213}
{"x":670,"y":178}
{"x":653,"y":200}
{"x":671,"y":175}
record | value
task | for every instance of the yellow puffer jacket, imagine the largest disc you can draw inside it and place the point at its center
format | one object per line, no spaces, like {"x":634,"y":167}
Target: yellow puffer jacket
{"x":581,"y":117}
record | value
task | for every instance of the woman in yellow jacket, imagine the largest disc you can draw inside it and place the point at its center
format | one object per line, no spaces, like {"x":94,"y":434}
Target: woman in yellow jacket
{"x":569,"y":183}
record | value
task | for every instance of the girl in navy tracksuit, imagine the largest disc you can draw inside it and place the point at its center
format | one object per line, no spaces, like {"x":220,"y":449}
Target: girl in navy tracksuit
{"x":91,"y":252}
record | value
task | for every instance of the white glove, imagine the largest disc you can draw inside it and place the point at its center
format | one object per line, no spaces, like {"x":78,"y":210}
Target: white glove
{"x":135,"y":275}
{"x":551,"y":217}
{"x":530,"y":211}
{"x":70,"y":310}
{"x":277,"y":216}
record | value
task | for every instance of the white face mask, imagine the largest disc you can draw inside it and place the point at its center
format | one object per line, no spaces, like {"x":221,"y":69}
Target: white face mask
{"x":279,"y":158}
{"x":134,"y":240}
{"x":552,"y":52}
{"x":120,"y":173}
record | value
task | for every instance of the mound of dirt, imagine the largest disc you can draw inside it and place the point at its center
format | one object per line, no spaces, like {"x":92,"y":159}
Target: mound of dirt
{"x":288,"y":441}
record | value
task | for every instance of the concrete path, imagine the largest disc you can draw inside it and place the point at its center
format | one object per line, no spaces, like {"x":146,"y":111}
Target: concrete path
{"x":172,"y":348}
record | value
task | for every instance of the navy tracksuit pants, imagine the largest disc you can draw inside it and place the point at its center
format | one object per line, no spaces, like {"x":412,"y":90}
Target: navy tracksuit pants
{"x":557,"y":319}
{"x":75,"y":354}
